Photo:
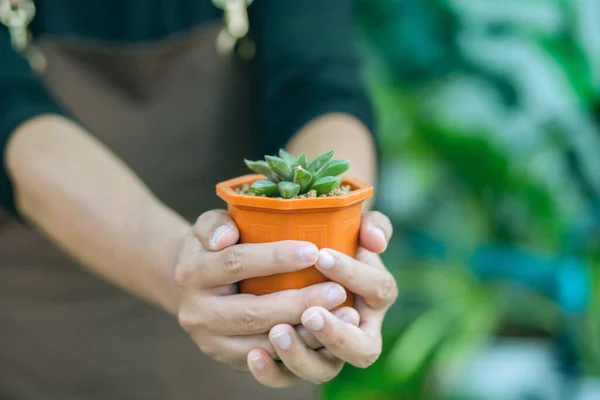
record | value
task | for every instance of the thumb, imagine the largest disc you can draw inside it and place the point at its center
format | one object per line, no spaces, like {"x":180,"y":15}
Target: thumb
{"x":216,"y":230}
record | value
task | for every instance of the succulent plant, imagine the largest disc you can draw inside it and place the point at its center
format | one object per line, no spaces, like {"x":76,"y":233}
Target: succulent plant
{"x":289,"y":176}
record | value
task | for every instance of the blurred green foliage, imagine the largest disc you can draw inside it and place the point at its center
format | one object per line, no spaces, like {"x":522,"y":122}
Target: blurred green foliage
{"x":488,"y":117}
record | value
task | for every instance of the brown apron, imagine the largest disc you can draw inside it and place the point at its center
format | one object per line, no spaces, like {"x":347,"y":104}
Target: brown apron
{"x":179,"y":114}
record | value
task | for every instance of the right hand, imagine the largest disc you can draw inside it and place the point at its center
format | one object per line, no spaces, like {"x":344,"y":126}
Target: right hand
{"x":226,"y":325}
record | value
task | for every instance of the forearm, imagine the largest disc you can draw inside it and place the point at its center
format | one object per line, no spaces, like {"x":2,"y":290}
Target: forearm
{"x":91,"y":205}
{"x":344,"y":134}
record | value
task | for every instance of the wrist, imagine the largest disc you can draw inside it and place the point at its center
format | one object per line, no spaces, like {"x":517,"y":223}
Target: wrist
{"x":89,"y":203}
{"x":162,"y":236}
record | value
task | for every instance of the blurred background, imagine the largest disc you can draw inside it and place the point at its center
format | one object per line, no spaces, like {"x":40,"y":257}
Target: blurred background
{"x":490,"y":128}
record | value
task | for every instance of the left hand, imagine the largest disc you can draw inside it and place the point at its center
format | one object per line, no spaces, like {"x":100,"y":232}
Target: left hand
{"x":355,"y":337}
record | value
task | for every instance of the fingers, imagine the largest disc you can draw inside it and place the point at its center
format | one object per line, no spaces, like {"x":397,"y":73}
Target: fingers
{"x":243,"y":261}
{"x":232,"y":351}
{"x":300,"y":360}
{"x":371,"y":281}
{"x":375,"y":231}
{"x":371,"y":320}
{"x":347,"y":314}
{"x":268,"y":372}
{"x":245,"y":314}
{"x":368,"y":257}
{"x":216,"y":230}
{"x":346,"y":342}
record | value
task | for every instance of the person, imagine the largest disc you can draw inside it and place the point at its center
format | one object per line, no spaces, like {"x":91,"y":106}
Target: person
{"x":111,"y":285}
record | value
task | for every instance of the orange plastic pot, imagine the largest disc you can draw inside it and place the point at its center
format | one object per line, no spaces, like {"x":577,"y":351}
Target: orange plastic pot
{"x":328,"y":222}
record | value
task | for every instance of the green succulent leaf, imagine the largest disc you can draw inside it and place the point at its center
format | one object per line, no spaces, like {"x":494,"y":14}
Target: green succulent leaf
{"x":280,"y":167}
{"x":301,"y":161}
{"x":287,"y":190}
{"x":289,"y":176}
{"x":264,"y":187}
{"x":334,"y":168}
{"x":290,"y":159}
{"x":304,"y":178}
{"x":261,"y":167}
{"x":326,"y":184}
{"x":316,"y":163}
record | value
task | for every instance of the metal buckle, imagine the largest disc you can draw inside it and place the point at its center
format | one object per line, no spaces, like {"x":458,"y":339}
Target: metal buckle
{"x":16,"y":15}
{"x":235,"y":29}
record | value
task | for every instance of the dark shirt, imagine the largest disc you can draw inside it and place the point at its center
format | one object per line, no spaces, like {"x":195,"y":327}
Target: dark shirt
{"x":306,"y":62}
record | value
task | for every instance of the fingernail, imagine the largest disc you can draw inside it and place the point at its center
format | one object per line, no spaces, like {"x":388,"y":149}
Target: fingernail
{"x":314,"y":321}
{"x":258,"y":361}
{"x":219,"y":233}
{"x":283,"y":340}
{"x":379,"y":232}
{"x":336,"y":295}
{"x":308,"y":253}
{"x":326,"y":259}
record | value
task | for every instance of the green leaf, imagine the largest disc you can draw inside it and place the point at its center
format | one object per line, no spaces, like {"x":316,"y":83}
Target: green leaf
{"x":301,"y":161}
{"x":304,"y":178}
{"x":261,"y":167}
{"x":476,"y":326}
{"x":316,"y":163}
{"x":334,"y":168}
{"x":290,"y":159}
{"x":326,"y":184}
{"x":287,"y":190}
{"x":280,"y":167}
{"x":419,"y":341}
{"x":264,"y":187}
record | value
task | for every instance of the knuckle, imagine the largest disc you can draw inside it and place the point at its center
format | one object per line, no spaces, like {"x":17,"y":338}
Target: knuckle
{"x":315,"y":296}
{"x":298,"y":364}
{"x":219,"y":357}
{"x":382,"y":221}
{"x":254,"y":320}
{"x":202,"y":223}
{"x":327,"y":376}
{"x":218,"y":316}
{"x":232,"y":260}
{"x":188,"y":261}
{"x":278,"y":255}
{"x":307,"y":337}
{"x":202,"y":218}
{"x":351,"y":273}
{"x":387,"y":292}
{"x":306,"y":299}
{"x":207,"y":221}
{"x":239,"y":366}
{"x":188,"y":321}
{"x":182,"y":275}
{"x":369,"y":359}
{"x":338,"y":342}
{"x":210,"y":351}
{"x":190,"y":318}
{"x":381,"y":216}
{"x":206,"y":217}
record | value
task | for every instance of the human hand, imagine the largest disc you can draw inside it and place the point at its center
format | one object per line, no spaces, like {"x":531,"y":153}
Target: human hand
{"x":356,"y":341}
{"x":226,"y":325}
